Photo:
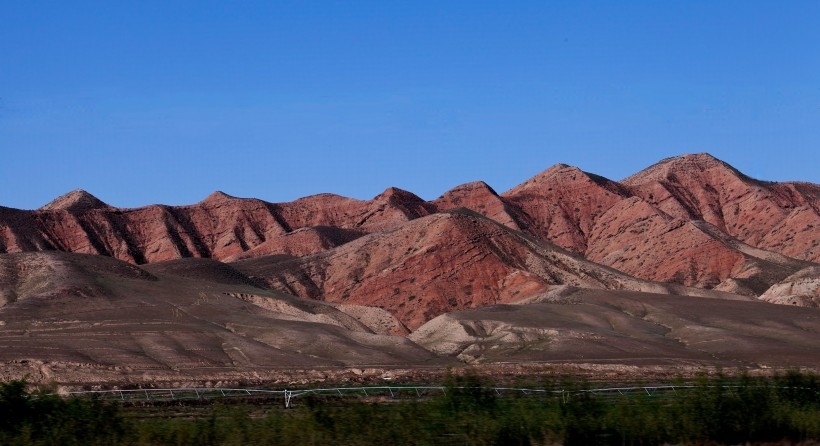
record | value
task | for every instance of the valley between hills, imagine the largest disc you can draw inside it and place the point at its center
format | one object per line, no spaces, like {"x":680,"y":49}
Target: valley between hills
{"x":688,"y":264}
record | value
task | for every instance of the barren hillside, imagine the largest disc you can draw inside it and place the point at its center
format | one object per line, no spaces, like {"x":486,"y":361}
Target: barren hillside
{"x":244,"y":284}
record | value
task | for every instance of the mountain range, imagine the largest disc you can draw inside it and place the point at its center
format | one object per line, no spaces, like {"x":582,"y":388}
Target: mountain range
{"x":566,"y":265}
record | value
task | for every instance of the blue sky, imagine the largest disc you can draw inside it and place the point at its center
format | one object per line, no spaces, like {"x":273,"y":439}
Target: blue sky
{"x":165,"y":102}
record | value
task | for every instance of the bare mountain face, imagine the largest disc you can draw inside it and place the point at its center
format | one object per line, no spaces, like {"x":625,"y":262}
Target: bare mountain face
{"x":691,"y":220}
{"x":687,"y":226}
{"x":780,"y":217}
{"x":441,"y":263}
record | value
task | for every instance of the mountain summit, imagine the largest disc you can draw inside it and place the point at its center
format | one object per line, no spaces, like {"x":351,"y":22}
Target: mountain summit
{"x":75,"y":201}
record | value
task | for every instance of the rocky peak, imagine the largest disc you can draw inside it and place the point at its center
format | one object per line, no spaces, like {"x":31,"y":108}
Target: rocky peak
{"x":691,"y":165}
{"x":481,"y":198}
{"x":559,"y":170}
{"x":396,"y":195}
{"x":557,"y":174}
{"x":475,"y":187}
{"x":218,"y":197}
{"x":76,"y":200}
{"x":410,"y":204}
{"x":468,"y":192}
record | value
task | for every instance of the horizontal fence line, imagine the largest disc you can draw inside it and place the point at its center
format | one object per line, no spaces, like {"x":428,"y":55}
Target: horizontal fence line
{"x":188,"y":393}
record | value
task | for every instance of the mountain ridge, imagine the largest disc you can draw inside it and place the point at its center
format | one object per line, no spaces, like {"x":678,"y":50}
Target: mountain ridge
{"x":691,"y":220}
{"x":688,"y":262}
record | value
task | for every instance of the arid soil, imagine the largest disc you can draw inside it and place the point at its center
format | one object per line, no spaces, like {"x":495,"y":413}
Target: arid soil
{"x":92,"y":320}
{"x":689,"y":263}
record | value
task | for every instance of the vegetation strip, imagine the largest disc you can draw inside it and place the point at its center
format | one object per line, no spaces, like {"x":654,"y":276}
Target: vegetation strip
{"x":783,"y":408}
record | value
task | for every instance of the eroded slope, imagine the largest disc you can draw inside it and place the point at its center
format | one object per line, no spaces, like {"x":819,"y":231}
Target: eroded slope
{"x":105,"y":316}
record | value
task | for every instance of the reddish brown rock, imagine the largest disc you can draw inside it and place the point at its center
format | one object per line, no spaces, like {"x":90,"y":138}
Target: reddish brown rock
{"x":782,"y":217}
{"x":479,"y":197}
{"x":387,"y":210}
{"x":77,"y":200}
{"x":220,"y":227}
{"x":563,"y":203}
{"x":640,"y":240}
{"x":301,"y":242}
{"x":424,"y":268}
{"x":650,"y":226}
{"x":438,"y":264}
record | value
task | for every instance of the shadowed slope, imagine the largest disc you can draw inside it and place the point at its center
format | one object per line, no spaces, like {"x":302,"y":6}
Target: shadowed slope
{"x":481,"y":198}
{"x":107,"y":317}
{"x":438,"y":264}
{"x":597,"y":326}
{"x":563,"y":203}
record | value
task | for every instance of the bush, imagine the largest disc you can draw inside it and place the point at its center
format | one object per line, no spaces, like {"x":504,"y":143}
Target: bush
{"x":46,"y":419}
{"x":715,"y":411}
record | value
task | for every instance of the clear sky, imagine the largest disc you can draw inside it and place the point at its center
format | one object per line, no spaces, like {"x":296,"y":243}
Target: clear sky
{"x":144,"y":102}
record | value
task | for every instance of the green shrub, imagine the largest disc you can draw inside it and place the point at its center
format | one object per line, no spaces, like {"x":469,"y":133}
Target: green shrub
{"x":43,"y":419}
{"x":715,"y":411}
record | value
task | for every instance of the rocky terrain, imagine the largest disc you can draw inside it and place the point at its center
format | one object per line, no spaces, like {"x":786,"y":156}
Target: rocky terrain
{"x":678,"y":262}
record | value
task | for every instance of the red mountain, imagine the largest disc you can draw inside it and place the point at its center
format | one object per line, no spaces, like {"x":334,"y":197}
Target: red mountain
{"x":691,"y":221}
